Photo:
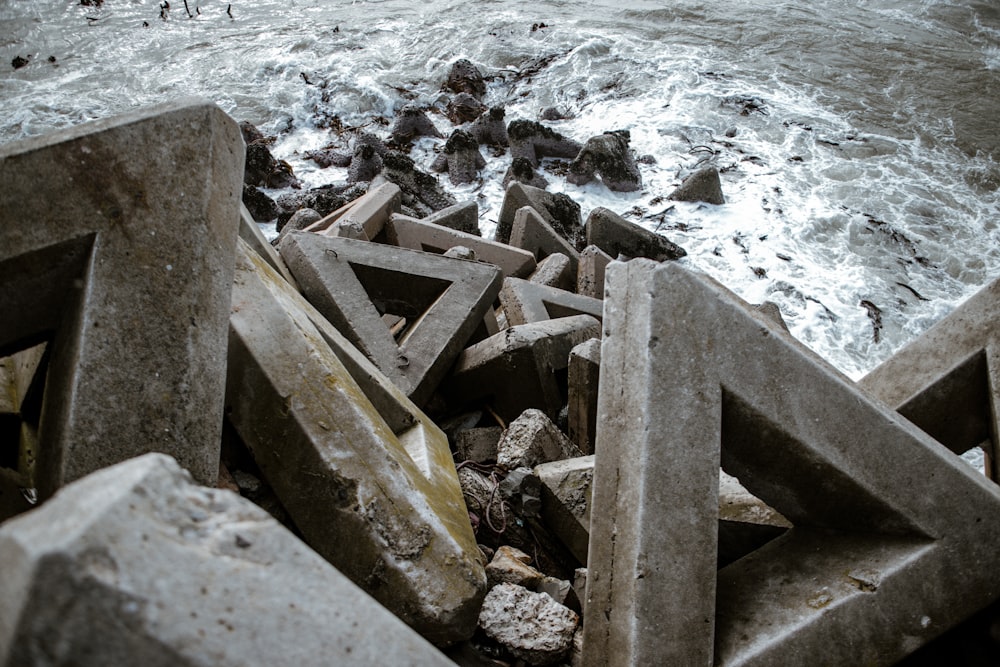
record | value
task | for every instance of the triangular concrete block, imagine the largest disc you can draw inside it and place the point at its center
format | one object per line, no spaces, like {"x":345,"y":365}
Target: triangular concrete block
{"x":947,"y":381}
{"x":617,"y":236}
{"x":894,"y":540}
{"x":116,"y":243}
{"x":524,"y":301}
{"x":355,"y":283}
{"x":531,"y":232}
{"x":561,"y":212}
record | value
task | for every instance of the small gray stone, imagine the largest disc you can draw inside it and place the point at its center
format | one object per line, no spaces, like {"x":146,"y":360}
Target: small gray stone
{"x":532,"y":439}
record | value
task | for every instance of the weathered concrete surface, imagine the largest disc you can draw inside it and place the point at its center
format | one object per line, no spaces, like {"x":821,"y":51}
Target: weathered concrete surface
{"x":532,"y":439}
{"x":253,"y":237}
{"x":584,"y":382}
{"x":525,"y":302}
{"x":566,"y":494}
{"x":617,"y":236}
{"x":703,"y":185}
{"x":137,"y":565}
{"x":891,"y":543}
{"x":517,"y":368}
{"x":947,"y":381}
{"x":126,"y":263}
{"x":557,"y":209}
{"x":407,"y":232}
{"x":531,"y":232}
{"x":412,"y":122}
{"x":478,"y":444}
{"x":376,"y":496}
{"x":532,"y":626}
{"x":460,"y":157}
{"x":607,"y":155}
{"x":590,"y":272}
{"x":355,"y":283}
{"x":463,"y":217}
{"x":368,"y":214}
{"x":532,"y":141}
{"x":557,"y":271}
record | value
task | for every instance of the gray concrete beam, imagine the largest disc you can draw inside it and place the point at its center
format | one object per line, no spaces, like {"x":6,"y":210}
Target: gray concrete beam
{"x":116,"y":241}
{"x":525,"y":302}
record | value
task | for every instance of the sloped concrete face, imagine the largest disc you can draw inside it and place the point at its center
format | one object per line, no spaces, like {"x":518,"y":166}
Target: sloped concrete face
{"x":886,"y":547}
{"x":525,"y":302}
{"x":379,"y":500}
{"x":518,"y":368}
{"x":127,"y":266}
{"x":355,"y":283}
{"x":531,"y":232}
{"x":947,"y":381}
{"x":137,"y":565}
{"x":617,"y":236}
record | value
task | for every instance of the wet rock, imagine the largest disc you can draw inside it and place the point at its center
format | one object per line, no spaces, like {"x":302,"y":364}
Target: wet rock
{"x":532,"y":439}
{"x":324,"y":200}
{"x":261,"y":168}
{"x":460,"y":158}
{"x":701,"y":186}
{"x":421,"y":192}
{"x":533,"y":141}
{"x":464,"y":77}
{"x":554,"y":113}
{"x":328,"y":157}
{"x":261,"y":207}
{"x":464,"y":108}
{"x":412,"y":122}
{"x":299,"y":220}
{"x":489,"y":128}
{"x":522,"y":171}
{"x":532,"y":626}
{"x":512,"y":566}
{"x":558,"y":210}
{"x":609,"y":157}
{"x":366,"y":164}
{"x":251,"y":135}
{"x":617,"y":236}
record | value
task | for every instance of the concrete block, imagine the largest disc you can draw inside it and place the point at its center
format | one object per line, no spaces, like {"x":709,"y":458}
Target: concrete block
{"x":354,"y":283}
{"x":533,"y":439}
{"x":525,"y":302}
{"x":137,"y":565}
{"x":125,"y":263}
{"x":584,"y":381}
{"x":512,"y":566}
{"x":366,"y":477}
{"x":617,"y":236}
{"x":531,"y":232}
{"x":462,"y":217}
{"x":703,"y":185}
{"x":520,"y":367}
{"x":947,"y":381}
{"x":561,"y":212}
{"x":253,"y":237}
{"x":590,"y":272}
{"x":890,"y":544}
{"x":532,"y":626}
{"x":416,"y":234}
{"x":566,"y":490}
{"x":556,"y":270}
{"x":478,"y":444}
{"x":368,"y":214}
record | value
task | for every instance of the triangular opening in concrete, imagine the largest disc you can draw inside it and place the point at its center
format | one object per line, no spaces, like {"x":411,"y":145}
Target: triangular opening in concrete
{"x":406,"y":308}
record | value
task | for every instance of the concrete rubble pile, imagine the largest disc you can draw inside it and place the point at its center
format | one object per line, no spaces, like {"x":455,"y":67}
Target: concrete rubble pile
{"x":385,"y":439}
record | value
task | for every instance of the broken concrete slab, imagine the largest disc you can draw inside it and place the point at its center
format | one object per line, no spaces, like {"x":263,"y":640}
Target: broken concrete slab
{"x":557,"y":209}
{"x":532,"y":439}
{"x":127,"y":267}
{"x":92,"y":578}
{"x":520,"y":367}
{"x":407,"y":232}
{"x":532,"y":626}
{"x":694,"y":378}
{"x":478,"y":445}
{"x":355,"y":283}
{"x":530,"y":232}
{"x":566,"y":491}
{"x":557,"y":271}
{"x":525,"y":302}
{"x":584,"y":382}
{"x":617,"y":236}
{"x":366,"y":477}
{"x":947,"y":381}
{"x":590,"y":272}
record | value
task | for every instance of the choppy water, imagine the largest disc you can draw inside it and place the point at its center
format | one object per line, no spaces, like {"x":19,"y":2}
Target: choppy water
{"x":864,"y":168}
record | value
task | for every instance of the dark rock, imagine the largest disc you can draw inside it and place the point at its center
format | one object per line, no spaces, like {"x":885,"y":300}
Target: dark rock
{"x":251,"y":135}
{"x":328,"y":157}
{"x":366,"y":164}
{"x":701,"y":186}
{"x":557,"y":209}
{"x":461,"y":158}
{"x":262,"y":208}
{"x":464,"y":77}
{"x":490,"y":129}
{"x":324,"y":200}
{"x":554,"y":113}
{"x":18,"y":62}
{"x":421,"y":192}
{"x":608,"y":156}
{"x":261,"y":168}
{"x":532,"y":141}
{"x":301,"y":219}
{"x":412,"y":122}
{"x":521,"y":171}
{"x":464,"y":108}
{"x":617,"y":236}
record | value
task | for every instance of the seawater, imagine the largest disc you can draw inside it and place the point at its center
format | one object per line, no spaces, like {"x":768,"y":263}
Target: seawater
{"x":862,"y":165}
